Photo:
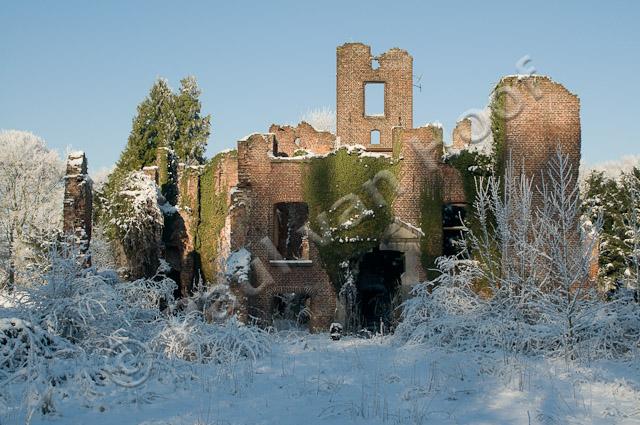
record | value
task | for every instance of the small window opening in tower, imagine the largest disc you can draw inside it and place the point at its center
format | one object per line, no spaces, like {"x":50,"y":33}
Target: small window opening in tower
{"x":375,"y":63}
{"x":375,"y":137}
{"x":374,"y":99}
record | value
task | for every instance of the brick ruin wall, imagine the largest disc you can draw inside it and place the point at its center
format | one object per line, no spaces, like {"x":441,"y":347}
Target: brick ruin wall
{"x":302,"y":137}
{"x":264,"y":181}
{"x":540,"y":117}
{"x":461,"y":136}
{"x":78,"y":201}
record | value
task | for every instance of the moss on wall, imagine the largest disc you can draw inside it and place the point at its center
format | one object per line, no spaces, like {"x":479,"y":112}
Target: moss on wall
{"x":471,"y":165}
{"x":214,"y":208}
{"x":343,"y":188}
{"x":498,"y":129}
{"x":431,"y":224}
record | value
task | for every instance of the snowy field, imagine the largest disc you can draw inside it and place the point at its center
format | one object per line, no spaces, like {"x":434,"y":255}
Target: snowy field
{"x":309,"y":379}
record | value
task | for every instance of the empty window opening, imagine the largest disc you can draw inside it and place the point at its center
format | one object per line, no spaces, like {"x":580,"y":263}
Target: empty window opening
{"x":375,"y":63}
{"x":297,"y":141}
{"x":291,"y":311}
{"x":379,"y":278}
{"x":375,"y":137}
{"x":374,"y":99}
{"x":453,"y":232}
{"x":274,"y":150}
{"x":291,"y":230}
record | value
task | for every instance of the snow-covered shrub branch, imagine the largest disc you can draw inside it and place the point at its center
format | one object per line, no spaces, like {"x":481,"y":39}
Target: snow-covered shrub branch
{"x":523,"y":283}
{"x":79,"y":333}
{"x":134,"y":222}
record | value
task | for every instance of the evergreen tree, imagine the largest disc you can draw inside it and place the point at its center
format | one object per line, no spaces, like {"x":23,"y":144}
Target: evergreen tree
{"x":192,"y":128}
{"x":154,"y":126}
{"x":611,"y":197}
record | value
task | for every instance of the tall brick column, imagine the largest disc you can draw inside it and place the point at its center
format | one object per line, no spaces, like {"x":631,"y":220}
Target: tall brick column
{"x":78,"y":201}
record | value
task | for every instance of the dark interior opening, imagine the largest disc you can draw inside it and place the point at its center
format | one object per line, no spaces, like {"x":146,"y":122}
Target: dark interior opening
{"x":175,"y":276}
{"x":291,"y":311}
{"x":453,"y":216}
{"x":291,"y":231}
{"x":379,"y":279}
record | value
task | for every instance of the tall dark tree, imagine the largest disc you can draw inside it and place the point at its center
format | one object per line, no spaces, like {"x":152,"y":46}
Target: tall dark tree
{"x":154,"y":126}
{"x":193,"y":129}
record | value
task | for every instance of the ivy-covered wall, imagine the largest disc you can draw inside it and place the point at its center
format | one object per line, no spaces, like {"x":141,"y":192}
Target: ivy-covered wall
{"x":349,"y":197}
{"x":214,"y":208}
{"x":498,"y":129}
{"x":431,"y":224}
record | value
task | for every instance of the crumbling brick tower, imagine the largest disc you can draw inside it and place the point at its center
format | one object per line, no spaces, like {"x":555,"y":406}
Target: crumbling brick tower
{"x":539,"y":116}
{"x":355,"y":73}
{"x":78,"y":201}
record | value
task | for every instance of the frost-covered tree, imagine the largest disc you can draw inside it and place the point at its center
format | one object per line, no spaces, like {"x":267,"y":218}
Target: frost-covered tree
{"x":193,"y":129}
{"x":523,"y":285}
{"x":322,"y":119}
{"x":631,"y":182}
{"x":567,"y":248}
{"x":31,"y":193}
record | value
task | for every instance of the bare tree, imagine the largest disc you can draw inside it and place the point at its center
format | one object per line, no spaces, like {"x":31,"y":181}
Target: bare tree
{"x":568,"y":250}
{"x":31,"y":193}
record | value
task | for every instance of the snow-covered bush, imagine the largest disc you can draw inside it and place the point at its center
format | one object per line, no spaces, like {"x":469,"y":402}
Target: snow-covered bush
{"x":20,"y":340}
{"x":238,"y":266}
{"x":523,"y":283}
{"x":76,"y":332}
{"x":216,"y":303}
{"x":134,"y":222}
{"x":189,"y":337}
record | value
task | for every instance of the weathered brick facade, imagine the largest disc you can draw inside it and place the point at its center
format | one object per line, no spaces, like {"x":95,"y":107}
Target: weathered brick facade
{"x":354,"y":70}
{"x":540,"y":116}
{"x":268,"y":171}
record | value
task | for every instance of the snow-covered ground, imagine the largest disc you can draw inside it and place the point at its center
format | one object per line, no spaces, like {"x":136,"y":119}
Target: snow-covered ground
{"x":309,"y":379}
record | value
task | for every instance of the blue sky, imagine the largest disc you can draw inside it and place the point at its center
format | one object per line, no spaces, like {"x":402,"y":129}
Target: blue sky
{"x":74,"y":71}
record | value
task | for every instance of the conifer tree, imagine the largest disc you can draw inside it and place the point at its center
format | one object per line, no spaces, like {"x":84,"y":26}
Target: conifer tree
{"x":192,"y":128}
{"x":612,"y":198}
{"x":154,"y":126}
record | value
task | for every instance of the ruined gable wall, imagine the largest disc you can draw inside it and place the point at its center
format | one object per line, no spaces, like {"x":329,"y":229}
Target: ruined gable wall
{"x":263,"y":182}
{"x":308,"y":138}
{"x":354,"y":69}
{"x":540,"y":115}
{"x":461,"y":134}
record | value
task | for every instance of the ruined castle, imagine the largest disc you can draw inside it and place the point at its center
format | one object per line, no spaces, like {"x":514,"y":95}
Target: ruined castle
{"x":256,"y":198}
